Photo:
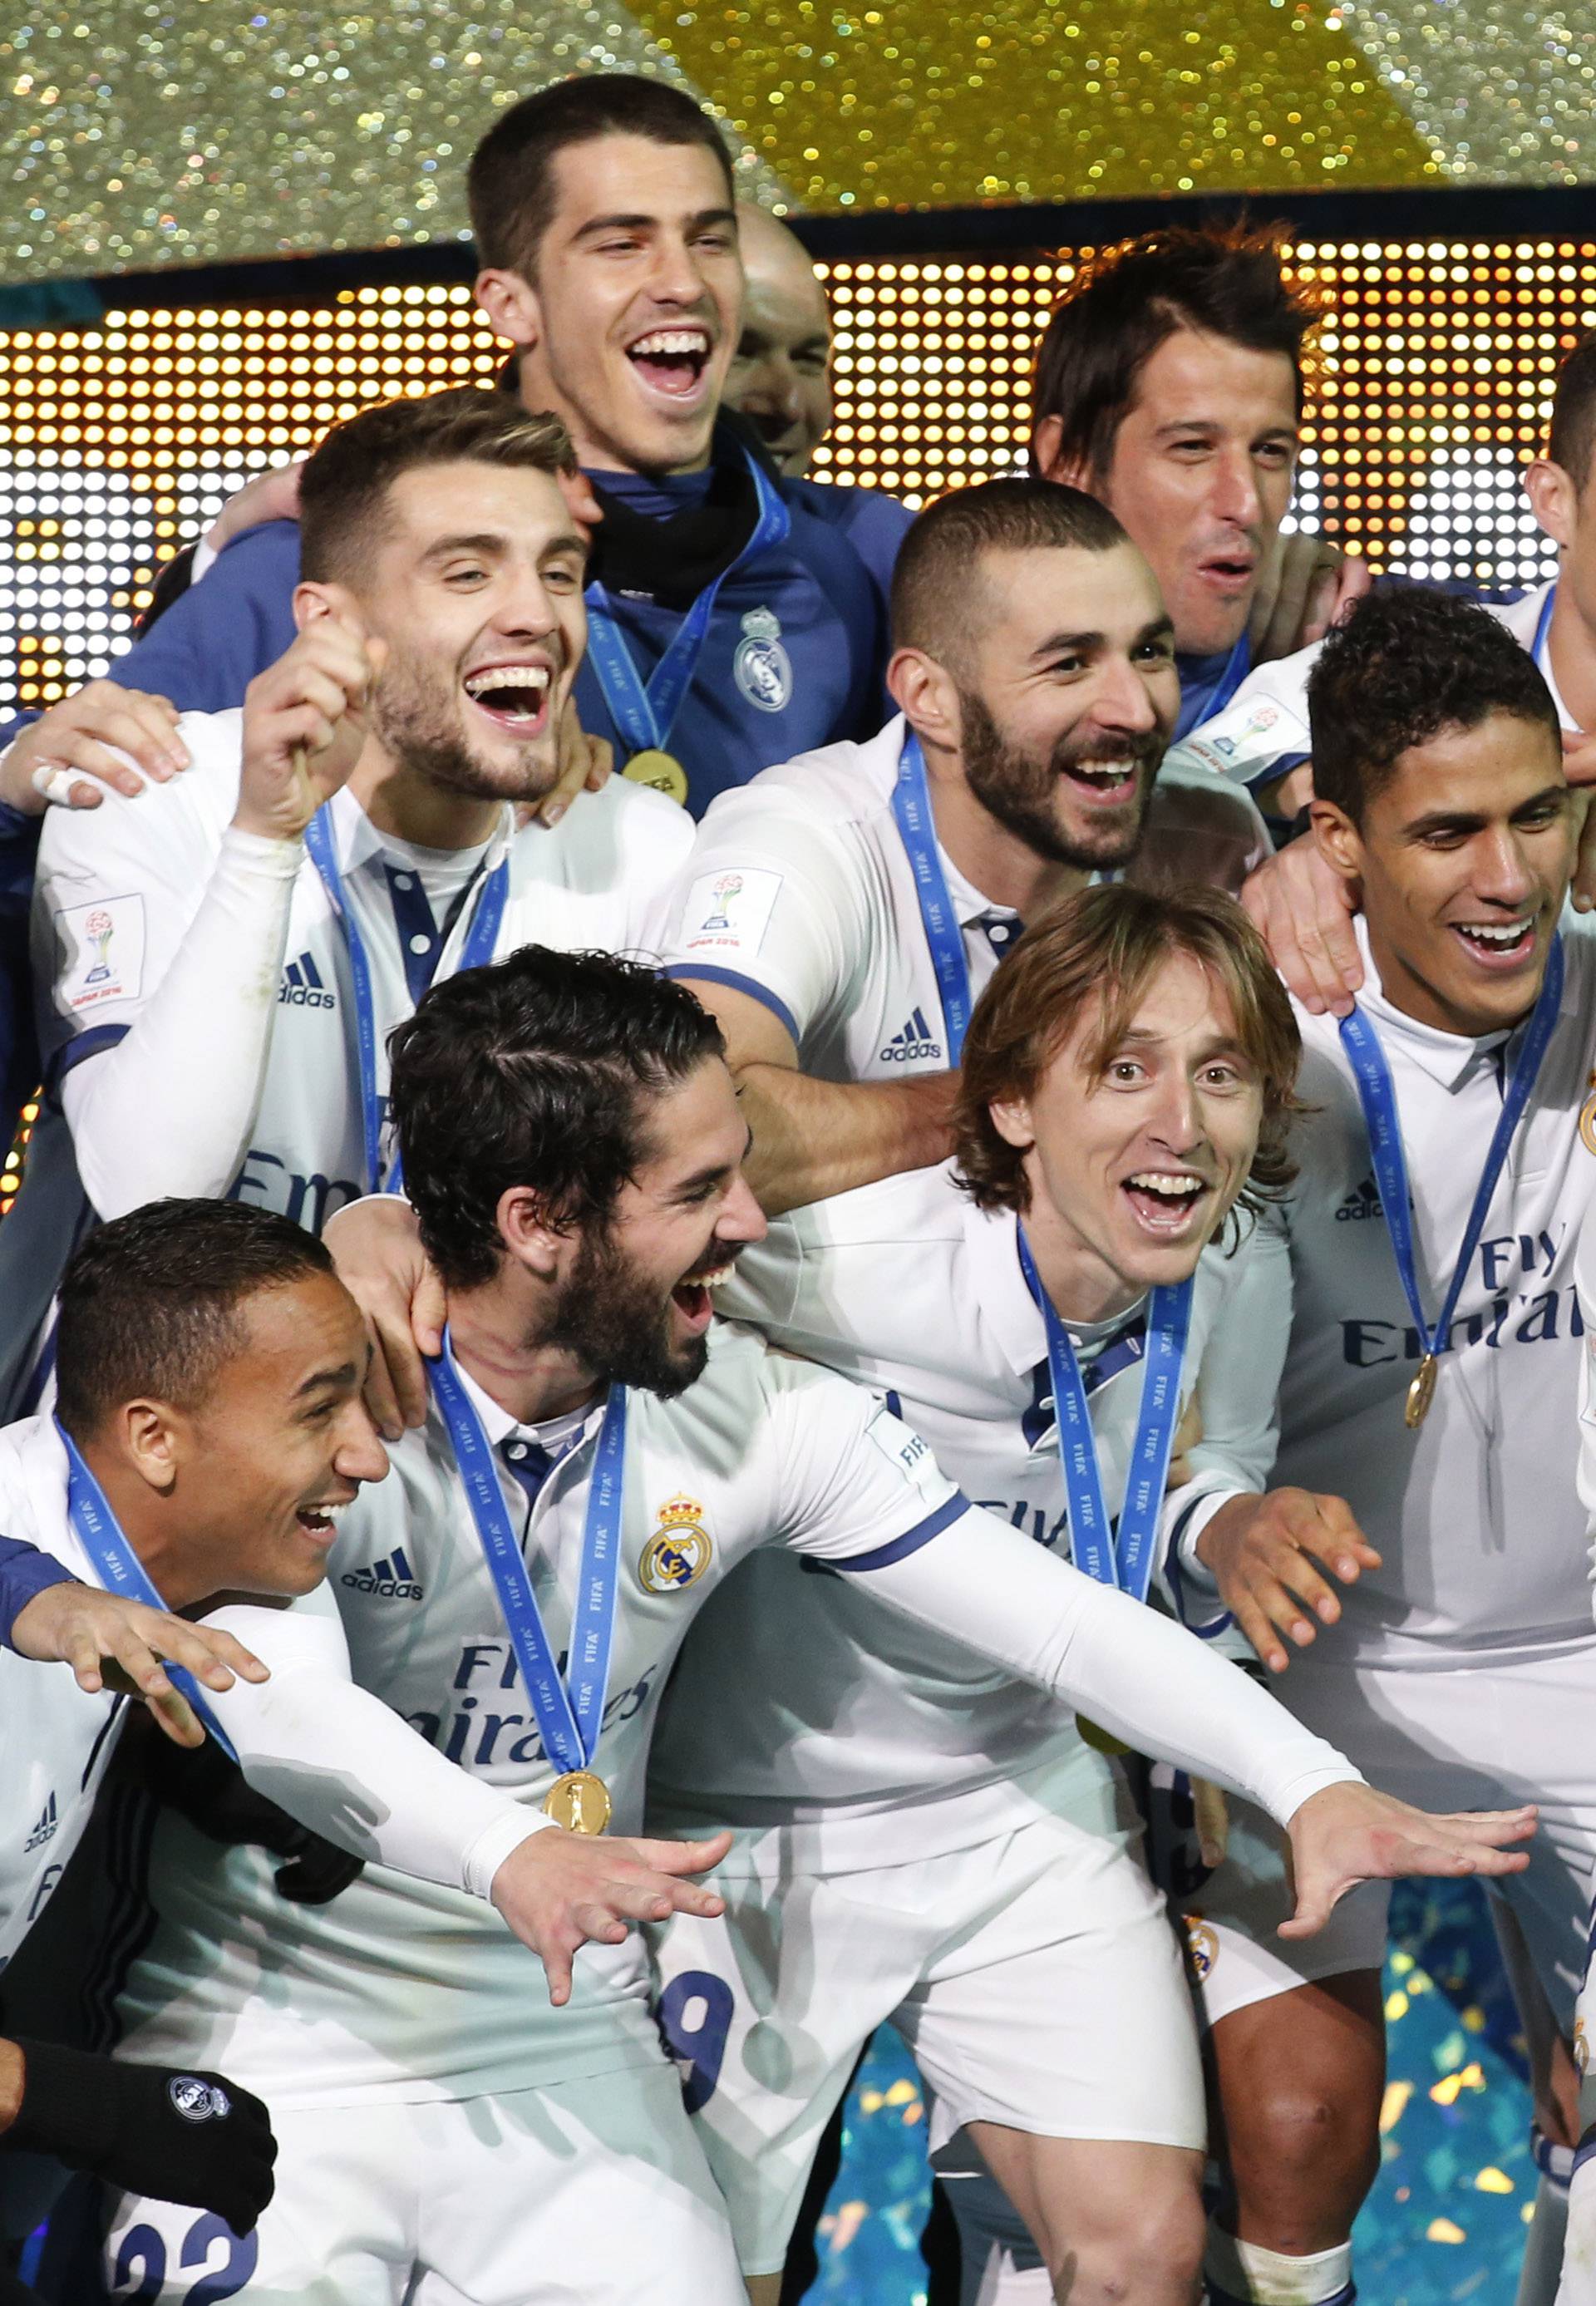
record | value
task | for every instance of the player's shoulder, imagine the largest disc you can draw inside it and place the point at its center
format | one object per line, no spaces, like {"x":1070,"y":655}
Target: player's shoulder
{"x":260,"y":560}
{"x":913,"y":1209}
{"x":833,"y":789}
{"x":33,"y":1492}
{"x":622,"y":834}
{"x":872,"y":523}
{"x":161,"y":823}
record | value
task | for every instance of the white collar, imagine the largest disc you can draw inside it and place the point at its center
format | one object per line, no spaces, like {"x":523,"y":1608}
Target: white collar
{"x":500,"y":1427}
{"x":991,"y":1242}
{"x":358,"y":840}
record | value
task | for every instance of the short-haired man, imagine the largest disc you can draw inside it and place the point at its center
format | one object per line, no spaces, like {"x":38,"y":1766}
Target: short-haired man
{"x":839,"y":915}
{"x":780,"y":373}
{"x":231,"y":950}
{"x":573,"y":1149}
{"x":209,"y":1432}
{"x":1431,"y":1372}
{"x":739,"y":616}
{"x":919,"y":1842}
{"x":1169,"y":382}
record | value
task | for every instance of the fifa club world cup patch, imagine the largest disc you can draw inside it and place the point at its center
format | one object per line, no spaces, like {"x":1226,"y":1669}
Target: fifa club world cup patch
{"x":1243,"y":742}
{"x":198,"y":2100}
{"x":762,"y":667}
{"x":729,"y":912}
{"x":678,"y":1553}
{"x":102,"y":948}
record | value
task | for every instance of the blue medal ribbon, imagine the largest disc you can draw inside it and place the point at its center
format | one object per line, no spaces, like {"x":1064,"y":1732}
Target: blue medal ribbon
{"x":481,"y":939}
{"x":570,"y":1721}
{"x":645,"y":714}
{"x":1126,"y":1560}
{"x":917,"y":827}
{"x":120,"y":1569}
{"x":1377,"y":1095}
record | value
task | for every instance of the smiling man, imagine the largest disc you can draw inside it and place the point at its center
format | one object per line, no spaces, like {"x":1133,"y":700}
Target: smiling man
{"x":780,"y":376}
{"x":232,"y":948}
{"x":840,"y":914}
{"x":739,"y":615}
{"x":1430,"y":1378}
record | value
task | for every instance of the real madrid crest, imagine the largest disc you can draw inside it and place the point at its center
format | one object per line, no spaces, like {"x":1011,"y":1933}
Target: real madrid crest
{"x":1587,"y":1119}
{"x":1202,"y":1946}
{"x":762,"y":667}
{"x":678,"y":1553}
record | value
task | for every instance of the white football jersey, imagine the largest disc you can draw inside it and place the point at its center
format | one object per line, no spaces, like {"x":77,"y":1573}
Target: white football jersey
{"x":404,"y":1989}
{"x":1263,"y":732}
{"x":119,"y":886}
{"x":1477,"y":1513}
{"x":800,"y":892}
{"x":56,"y":1738}
{"x":857,"y":1714}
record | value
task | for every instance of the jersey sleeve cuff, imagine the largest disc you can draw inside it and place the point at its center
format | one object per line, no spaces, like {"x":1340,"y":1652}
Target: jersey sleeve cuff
{"x":494,"y":1844}
{"x":74,"y":1053}
{"x":24,"y":1573}
{"x":740,"y":984}
{"x":951,"y":1510}
{"x":1193,"y":1592}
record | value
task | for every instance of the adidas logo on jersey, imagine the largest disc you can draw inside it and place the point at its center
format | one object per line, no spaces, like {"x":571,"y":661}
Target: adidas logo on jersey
{"x":302,"y":987}
{"x":1365,"y":1202}
{"x":914,"y":1042}
{"x":45,"y":1829}
{"x":391,"y":1579}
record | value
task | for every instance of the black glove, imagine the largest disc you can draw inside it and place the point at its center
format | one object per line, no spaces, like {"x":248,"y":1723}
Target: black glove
{"x":181,"y":2137}
{"x":214,"y":1795}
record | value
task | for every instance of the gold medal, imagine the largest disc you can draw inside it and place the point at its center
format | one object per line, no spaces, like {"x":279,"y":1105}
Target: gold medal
{"x":1103,"y":1741}
{"x":579,"y":1801}
{"x":1421,"y":1394}
{"x":661,"y":772}
{"x":1587,"y":1119}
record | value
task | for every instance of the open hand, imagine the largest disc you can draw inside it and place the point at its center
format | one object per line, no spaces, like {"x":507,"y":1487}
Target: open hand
{"x":1266,"y":1555}
{"x":376,"y":1246}
{"x":74,"y":754}
{"x":111,"y":1642}
{"x":559,"y":1890}
{"x":1350,"y":1834}
{"x":1303,"y":911}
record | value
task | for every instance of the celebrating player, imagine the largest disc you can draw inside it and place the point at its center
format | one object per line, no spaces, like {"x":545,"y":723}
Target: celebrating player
{"x":1433,"y":1359}
{"x":231,"y":950}
{"x":921,"y":1841}
{"x":620,"y":1109}
{"x":738,"y":616}
{"x":841,"y":913}
{"x":1169,"y":382}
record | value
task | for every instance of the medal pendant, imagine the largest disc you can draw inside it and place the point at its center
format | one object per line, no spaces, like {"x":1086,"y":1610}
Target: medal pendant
{"x":1421,"y":1394}
{"x":1102,"y":1741}
{"x":579,"y":1801}
{"x":662,"y":772}
{"x":1587,"y":1119}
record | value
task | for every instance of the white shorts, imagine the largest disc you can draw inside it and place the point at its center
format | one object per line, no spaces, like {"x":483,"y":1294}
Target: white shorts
{"x":1232,"y":1914}
{"x":1485,"y":1736}
{"x":586,"y":2192}
{"x":1035,"y":1978}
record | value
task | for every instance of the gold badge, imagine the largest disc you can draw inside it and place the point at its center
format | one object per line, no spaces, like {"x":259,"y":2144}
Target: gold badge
{"x":1587,"y":1119}
{"x":1202,"y":1947}
{"x":1421,"y":1394}
{"x":1582,"y":2046}
{"x":661,"y":772}
{"x":678,"y":1553}
{"x":579,"y":1801}
{"x":1101,"y":1740}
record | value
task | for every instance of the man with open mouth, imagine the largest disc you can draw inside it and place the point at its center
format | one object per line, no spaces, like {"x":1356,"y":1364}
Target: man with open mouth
{"x":1435,"y":1352}
{"x":841,"y":913}
{"x":208,"y":1437}
{"x":229,"y":950}
{"x":739,"y":612}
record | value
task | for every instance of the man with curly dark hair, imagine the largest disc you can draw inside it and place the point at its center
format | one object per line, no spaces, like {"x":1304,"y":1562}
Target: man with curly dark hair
{"x":1436,"y":1343}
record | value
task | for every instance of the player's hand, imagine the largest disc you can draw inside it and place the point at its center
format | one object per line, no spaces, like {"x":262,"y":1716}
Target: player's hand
{"x":1305,"y":583}
{"x":559,"y":1890}
{"x":376,"y":1245}
{"x":1350,"y":1834}
{"x":587,"y":765}
{"x":179,"y":2134}
{"x":111,"y":1642}
{"x":1303,"y":911}
{"x":269,"y":496}
{"x":1268,"y":1556}
{"x":305,"y":725}
{"x":67,"y":755}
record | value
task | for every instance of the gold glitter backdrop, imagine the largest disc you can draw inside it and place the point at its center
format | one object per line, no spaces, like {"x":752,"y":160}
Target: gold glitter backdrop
{"x":166,"y":131}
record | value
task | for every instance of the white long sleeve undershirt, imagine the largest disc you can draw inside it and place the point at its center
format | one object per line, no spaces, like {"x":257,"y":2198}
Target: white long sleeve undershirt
{"x":338,"y":1760}
{"x":1123,"y":1665}
{"x":171,"y":1107}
